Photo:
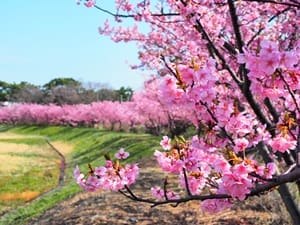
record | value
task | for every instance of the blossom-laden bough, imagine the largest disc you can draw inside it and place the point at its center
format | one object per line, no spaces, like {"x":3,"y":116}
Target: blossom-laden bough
{"x":235,"y":65}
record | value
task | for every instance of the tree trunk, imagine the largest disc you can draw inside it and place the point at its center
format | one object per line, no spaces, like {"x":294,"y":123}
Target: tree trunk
{"x":289,"y":203}
{"x":283,"y":189}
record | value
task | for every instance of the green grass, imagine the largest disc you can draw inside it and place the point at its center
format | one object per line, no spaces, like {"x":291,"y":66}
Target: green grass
{"x":26,"y":171}
{"x":89,"y":147}
{"x":27,"y":141}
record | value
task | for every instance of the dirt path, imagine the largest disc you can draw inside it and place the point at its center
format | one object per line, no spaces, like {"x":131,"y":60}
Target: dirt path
{"x":62,"y":164}
{"x":109,"y":208}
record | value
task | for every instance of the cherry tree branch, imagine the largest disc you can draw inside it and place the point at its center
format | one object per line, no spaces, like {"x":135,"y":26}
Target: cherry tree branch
{"x":259,"y":189}
{"x":187,"y":186}
{"x":235,"y":25}
{"x":269,"y":21}
{"x":272,"y":110}
{"x":199,"y":27}
{"x":291,"y":4}
{"x":134,"y":15}
{"x":290,"y":91}
{"x":216,"y":121}
{"x":298,"y":152}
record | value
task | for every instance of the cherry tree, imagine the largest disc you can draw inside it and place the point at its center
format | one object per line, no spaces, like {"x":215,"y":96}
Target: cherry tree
{"x":159,"y":112}
{"x":236,"y":64}
{"x":142,"y":112}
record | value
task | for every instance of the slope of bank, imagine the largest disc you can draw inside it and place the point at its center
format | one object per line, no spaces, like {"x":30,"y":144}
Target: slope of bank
{"x":79,"y":146}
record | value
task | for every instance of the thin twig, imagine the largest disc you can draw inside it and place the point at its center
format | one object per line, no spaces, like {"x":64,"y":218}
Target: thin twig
{"x":290,"y":91}
{"x":134,"y":15}
{"x":297,"y":5}
{"x":235,"y":25}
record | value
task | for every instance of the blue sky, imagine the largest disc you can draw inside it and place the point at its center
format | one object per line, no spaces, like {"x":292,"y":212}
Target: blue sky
{"x":42,"y":40}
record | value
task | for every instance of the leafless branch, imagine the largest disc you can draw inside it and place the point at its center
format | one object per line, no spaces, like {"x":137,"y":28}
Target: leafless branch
{"x":259,"y":189}
{"x":235,"y":25}
{"x":134,"y":15}
{"x":291,"y":3}
{"x":270,"y":20}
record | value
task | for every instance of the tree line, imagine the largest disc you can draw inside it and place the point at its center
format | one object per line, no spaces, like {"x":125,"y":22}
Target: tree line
{"x":62,"y":91}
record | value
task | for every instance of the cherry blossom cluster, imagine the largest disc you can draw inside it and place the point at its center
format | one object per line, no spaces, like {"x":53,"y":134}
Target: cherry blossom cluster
{"x":274,"y":74}
{"x":271,"y":70}
{"x":111,"y":176}
{"x":198,"y":167}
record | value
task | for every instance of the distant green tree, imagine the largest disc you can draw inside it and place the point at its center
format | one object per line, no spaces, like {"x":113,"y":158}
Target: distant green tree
{"x":4,"y":91}
{"x":62,"y":82}
{"x":124,"y":94}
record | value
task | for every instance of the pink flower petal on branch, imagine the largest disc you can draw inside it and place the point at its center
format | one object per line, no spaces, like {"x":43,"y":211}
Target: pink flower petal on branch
{"x":122,"y":154}
{"x":166,"y":143}
{"x":90,"y":3}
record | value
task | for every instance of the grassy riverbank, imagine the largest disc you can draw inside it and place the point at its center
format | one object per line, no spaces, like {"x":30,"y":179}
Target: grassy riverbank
{"x":30,"y":168}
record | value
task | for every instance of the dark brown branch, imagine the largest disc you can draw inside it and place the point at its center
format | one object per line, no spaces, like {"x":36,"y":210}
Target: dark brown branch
{"x":290,"y":91}
{"x":293,"y":176}
{"x":256,"y":107}
{"x":134,"y":15}
{"x":298,"y":150}
{"x":216,"y":121}
{"x":291,"y":4}
{"x":235,"y":25}
{"x":187,"y":186}
{"x":272,"y":110}
{"x":213,"y":48}
{"x":253,"y":174}
{"x":255,"y":36}
{"x":165,"y":188}
{"x":270,"y":20}
{"x":168,"y":67}
{"x":126,"y":195}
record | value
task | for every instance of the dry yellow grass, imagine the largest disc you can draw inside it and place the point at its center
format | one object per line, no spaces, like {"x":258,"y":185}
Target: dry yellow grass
{"x":9,"y":135}
{"x":13,"y":156}
{"x":11,"y":161}
{"x":64,"y":148}
{"x":25,"y":196}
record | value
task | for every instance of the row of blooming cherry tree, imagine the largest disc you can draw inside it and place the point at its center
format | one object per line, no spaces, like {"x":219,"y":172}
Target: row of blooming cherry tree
{"x":144,"y":111}
{"x":235,"y":66}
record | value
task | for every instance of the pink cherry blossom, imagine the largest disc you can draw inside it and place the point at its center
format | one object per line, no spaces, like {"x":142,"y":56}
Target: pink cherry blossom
{"x":122,"y":154}
{"x":172,"y":195}
{"x":241,"y":144}
{"x":270,"y":170}
{"x":169,"y":163}
{"x":235,"y":185}
{"x":187,"y":74}
{"x":166,"y":143}
{"x":90,"y":3}
{"x":282,"y":144}
{"x":157,"y":192}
